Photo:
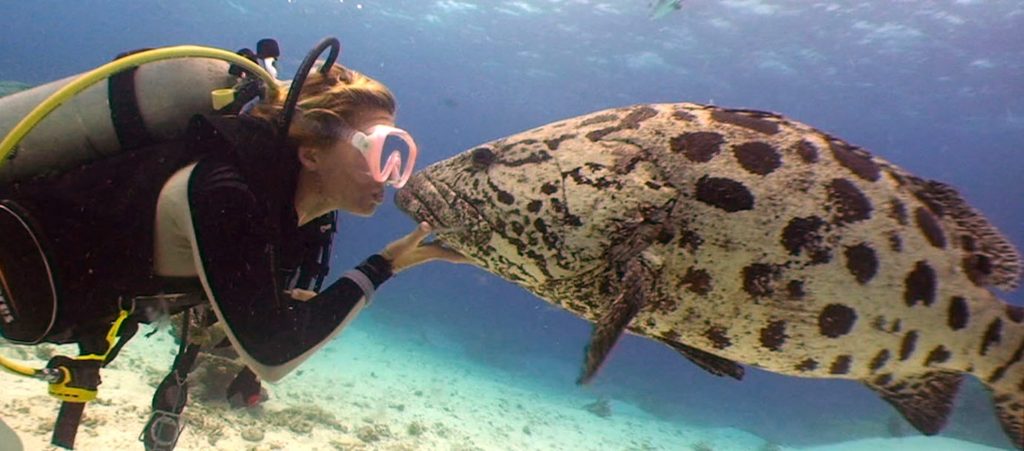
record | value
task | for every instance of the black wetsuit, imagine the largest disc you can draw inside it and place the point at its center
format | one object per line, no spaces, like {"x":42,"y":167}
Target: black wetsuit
{"x":247,"y":230}
{"x":97,"y":223}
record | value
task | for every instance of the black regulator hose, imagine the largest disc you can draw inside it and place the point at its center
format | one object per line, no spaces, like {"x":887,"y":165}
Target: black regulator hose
{"x":290,"y":103}
{"x":300,"y":78}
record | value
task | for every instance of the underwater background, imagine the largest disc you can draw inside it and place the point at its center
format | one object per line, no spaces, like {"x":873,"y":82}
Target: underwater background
{"x":936,"y":87}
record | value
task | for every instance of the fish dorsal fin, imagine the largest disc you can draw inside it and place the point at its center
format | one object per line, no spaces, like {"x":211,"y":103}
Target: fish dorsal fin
{"x":990,"y":258}
{"x":925,"y":400}
{"x":719,"y":366}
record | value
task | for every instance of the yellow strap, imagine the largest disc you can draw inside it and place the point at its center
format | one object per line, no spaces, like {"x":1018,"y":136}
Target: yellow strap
{"x":103,"y":72}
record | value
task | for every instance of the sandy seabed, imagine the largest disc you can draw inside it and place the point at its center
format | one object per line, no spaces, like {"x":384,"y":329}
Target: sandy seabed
{"x":370,"y":391}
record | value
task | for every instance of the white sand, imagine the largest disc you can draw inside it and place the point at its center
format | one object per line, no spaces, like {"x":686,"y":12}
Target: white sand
{"x":368,"y":391}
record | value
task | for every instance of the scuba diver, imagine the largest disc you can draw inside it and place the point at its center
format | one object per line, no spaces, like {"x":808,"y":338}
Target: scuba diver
{"x":233,"y":218}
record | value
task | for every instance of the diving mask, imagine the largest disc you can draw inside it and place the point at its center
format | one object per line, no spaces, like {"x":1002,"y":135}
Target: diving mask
{"x":372,"y":143}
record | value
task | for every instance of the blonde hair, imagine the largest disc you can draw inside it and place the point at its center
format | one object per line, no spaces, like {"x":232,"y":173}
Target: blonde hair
{"x":328,"y":103}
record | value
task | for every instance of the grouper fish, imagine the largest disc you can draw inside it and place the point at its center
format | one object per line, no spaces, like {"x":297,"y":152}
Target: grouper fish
{"x":741,"y":237}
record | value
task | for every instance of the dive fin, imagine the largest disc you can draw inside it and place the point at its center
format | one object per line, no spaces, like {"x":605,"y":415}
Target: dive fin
{"x":925,"y":400}
{"x":609,"y":328}
{"x":719,"y":366}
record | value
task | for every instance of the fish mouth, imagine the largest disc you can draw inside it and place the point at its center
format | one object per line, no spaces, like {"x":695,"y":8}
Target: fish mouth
{"x":434,"y":203}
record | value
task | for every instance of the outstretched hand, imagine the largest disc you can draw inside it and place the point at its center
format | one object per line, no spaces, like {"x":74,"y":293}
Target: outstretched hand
{"x":409,"y":251}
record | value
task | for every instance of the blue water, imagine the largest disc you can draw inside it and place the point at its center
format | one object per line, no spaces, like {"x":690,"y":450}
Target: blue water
{"x":936,"y":87}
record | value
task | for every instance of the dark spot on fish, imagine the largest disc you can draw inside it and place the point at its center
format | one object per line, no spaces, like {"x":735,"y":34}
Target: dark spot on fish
{"x":638,"y":115}
{"x":879,"y":323}
{"x":540,"y":225}
{"x":978,"y":268}
{"x":920,"y":285}
{"x":807,"y":365}
{"x":898,"y":211}
{"x":572,"y":220}
{"x":930,"y":227}
{"x":958,"y":313}
{"x":967,"y":243}
{"x":908,"y":344}
{"x":549,"y":188}
{"x":808,"y":152}
{"x":758,"y":279}
{"x":506,"y":197}
{"x":880,"y":360}
{"x":993,"y":335}
{"x":896,"y":326}
{"x":725,"y":194}
{"x":717,"y":336}
{"x":690,"y":240}
{"x":795,"y":289}
{"x":757,"y":157}
{"x":882,"y":380}
{"x":938,"y":355}
{"x":517,"y":228}
{"x":607,"y":117}
{"x":802,"y":234}
{"x":652,"y":185}
{"x":601,"y":183}
{"x":862,"y":262}
{"x":671,"y":335}
{"x":836,"y":320}
{"x":856,"y":160}
{"x":1015,"y":313}
{"x":536,"y":156}
{"x":998,"y":374}
{"x":596,"y":135}
{"x":841,"y":365}
{"x":895,"y":242}
{"x":533,"y":206}
{"x":697,"y":281}
{"x":773,"y":336}
{"x":664,"y":236}
{"x":554,"y":143}
{"x":626,"y":162}
{"x":482,"y":157}
{"x":683,"y":115}
{"x":745,"y":121}
{"x":698,"y":147}
{"x":850,"y":203}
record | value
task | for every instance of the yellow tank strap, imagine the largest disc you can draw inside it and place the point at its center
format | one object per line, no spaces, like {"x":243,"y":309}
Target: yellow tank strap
{"x":105,"y":71}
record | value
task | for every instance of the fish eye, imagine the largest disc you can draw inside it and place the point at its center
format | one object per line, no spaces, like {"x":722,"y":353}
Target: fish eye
{"x":482,"y":157}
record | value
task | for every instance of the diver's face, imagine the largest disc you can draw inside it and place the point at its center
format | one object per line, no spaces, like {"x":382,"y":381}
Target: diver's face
{"x":345,"y":174}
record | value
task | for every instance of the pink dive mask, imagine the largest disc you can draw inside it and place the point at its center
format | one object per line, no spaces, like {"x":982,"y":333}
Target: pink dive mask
{"x":372,"y":144}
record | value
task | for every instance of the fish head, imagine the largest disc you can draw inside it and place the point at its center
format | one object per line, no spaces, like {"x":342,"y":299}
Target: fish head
{"x":502,"y":205}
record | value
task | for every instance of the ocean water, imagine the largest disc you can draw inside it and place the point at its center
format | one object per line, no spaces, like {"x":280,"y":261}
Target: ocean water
{"x":936,"y":87}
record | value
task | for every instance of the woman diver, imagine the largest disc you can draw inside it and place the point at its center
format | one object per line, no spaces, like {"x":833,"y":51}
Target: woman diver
{"x":237,"y":213}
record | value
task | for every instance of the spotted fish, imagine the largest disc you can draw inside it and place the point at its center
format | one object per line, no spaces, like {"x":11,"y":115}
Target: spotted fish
{"x":741,"y":237}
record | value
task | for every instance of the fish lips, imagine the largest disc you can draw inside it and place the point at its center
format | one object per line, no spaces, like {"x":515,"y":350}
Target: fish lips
{"x":458,"y":227}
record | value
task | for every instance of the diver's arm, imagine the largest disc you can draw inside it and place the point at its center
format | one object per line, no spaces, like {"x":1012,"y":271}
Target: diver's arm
{"x":237,"y":261}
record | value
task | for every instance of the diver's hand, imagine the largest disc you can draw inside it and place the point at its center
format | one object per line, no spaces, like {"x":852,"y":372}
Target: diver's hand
{"x":410,"y":250}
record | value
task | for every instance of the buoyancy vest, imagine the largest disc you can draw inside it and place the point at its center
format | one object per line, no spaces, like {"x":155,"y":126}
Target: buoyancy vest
{"x":96,"y":222}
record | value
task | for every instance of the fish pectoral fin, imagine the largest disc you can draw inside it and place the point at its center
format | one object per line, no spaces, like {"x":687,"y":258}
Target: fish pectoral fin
{"x":613,"y":322}
{"x":719,"y":366}
{"x":925,"y":400}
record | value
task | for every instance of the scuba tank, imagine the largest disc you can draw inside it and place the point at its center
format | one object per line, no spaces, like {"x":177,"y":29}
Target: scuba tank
{"x":140,"y":99}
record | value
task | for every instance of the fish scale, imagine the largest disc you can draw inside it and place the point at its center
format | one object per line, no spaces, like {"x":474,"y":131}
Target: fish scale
{"x":740,"y":237}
